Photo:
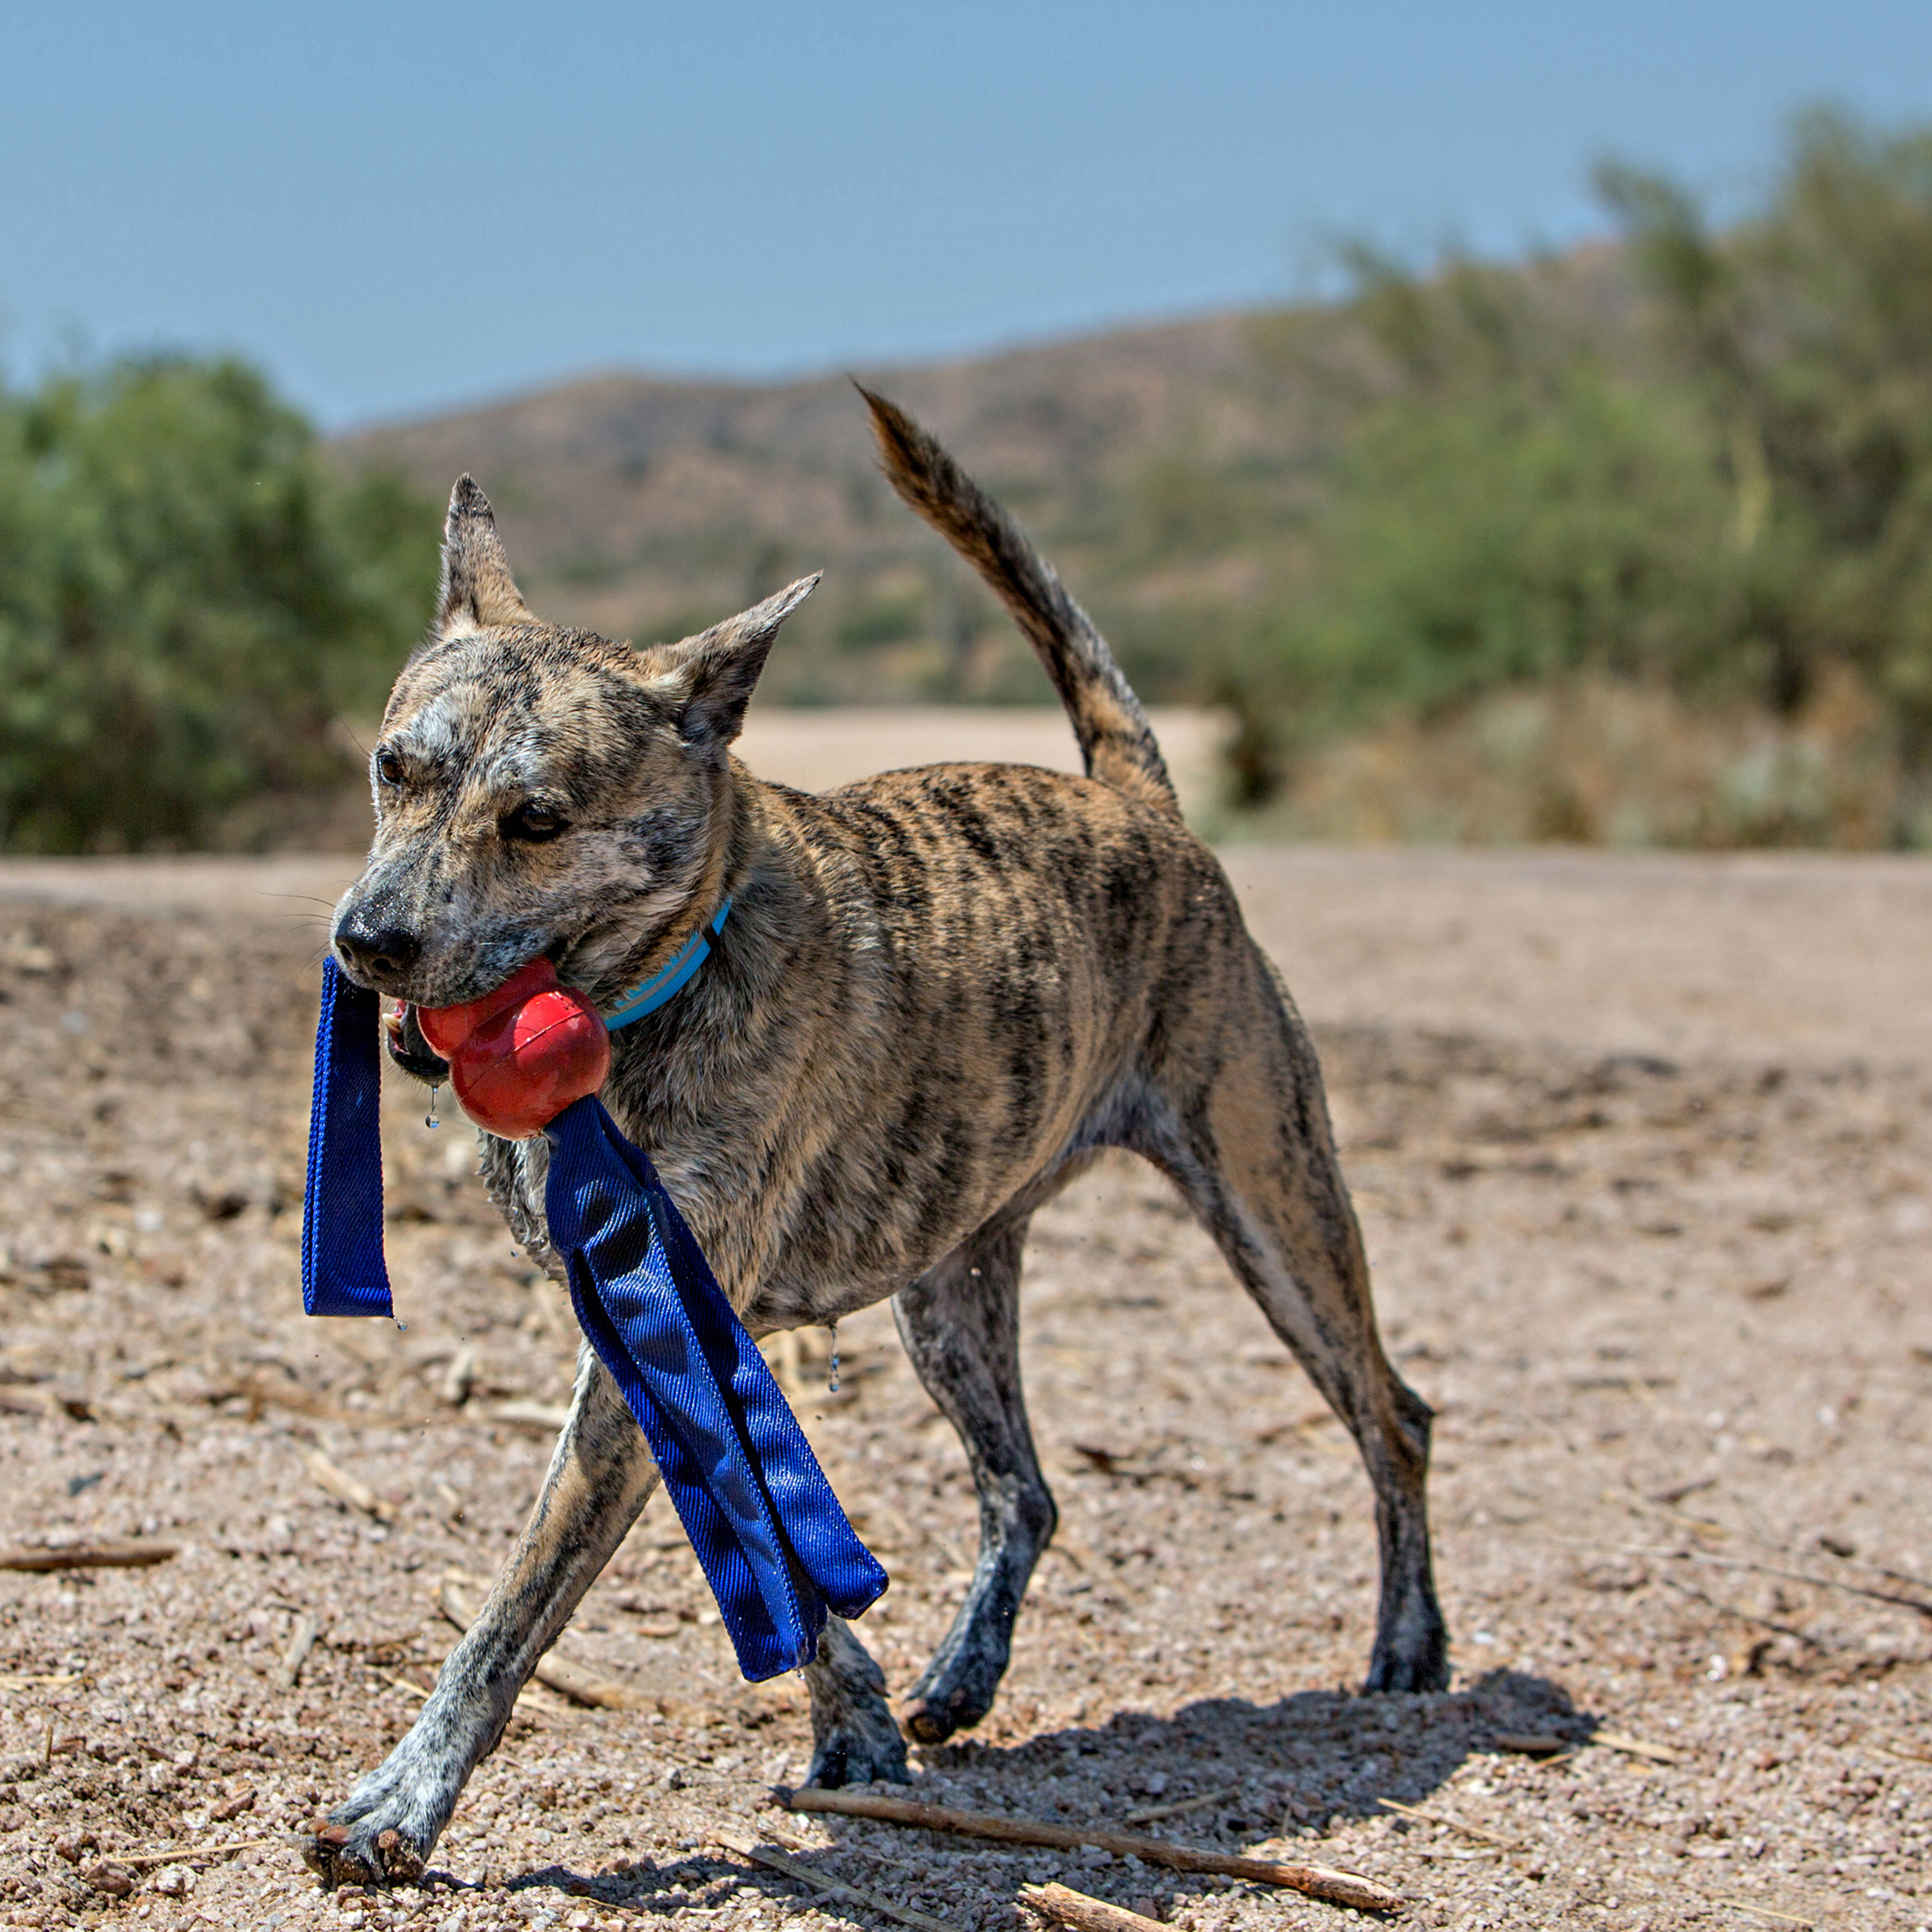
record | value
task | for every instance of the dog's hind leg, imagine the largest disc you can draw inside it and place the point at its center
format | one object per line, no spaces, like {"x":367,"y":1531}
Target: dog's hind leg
{"x":1244,"y":1130}
{"x":960,"y":1322}
{"x":599,"y":1479}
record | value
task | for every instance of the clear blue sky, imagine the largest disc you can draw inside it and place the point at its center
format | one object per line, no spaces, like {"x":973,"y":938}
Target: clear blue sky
{"x":399,"y":207}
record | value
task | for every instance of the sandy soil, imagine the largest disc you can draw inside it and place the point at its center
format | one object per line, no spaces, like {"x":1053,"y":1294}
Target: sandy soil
{"x":1641,"y":1149}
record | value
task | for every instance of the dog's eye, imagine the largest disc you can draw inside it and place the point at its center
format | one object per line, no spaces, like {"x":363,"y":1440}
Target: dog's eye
{"x":388,"y":767}
{"x":532,"y":822}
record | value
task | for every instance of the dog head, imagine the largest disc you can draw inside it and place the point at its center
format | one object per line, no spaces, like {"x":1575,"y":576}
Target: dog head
{"x":541,"y":791}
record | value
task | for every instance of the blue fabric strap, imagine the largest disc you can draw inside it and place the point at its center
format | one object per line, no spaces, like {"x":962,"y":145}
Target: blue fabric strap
{"x":775,"y":1546}
{"x":343,"y":1272}
{"x":668,"y":980}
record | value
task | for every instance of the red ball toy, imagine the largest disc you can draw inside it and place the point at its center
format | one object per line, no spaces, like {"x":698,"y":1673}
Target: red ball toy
{"x":519,"y":1055}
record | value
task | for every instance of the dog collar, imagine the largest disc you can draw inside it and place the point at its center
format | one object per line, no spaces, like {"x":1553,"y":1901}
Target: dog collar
{"x":670,"y":978}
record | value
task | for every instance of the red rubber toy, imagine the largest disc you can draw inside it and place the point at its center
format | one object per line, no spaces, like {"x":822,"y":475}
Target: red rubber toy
{"x":519,"y":1055}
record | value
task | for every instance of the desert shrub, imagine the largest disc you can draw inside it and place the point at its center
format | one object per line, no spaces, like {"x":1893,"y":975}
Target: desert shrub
{"x":189,"y":598}
{"x":1712,"y":482}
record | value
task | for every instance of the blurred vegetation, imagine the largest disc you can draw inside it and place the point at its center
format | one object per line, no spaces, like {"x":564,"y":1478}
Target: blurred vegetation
{"x":1632,"y":544}
{"x":1655,"y":566}
{"x":190,"y":599}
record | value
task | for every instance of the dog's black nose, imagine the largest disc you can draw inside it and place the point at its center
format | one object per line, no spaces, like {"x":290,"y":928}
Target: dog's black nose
{"x":380,"y":952}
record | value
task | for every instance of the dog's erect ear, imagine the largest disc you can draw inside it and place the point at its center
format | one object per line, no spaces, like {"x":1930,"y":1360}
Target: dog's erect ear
{"x":708,"y":678}
{"x":478,"y":589}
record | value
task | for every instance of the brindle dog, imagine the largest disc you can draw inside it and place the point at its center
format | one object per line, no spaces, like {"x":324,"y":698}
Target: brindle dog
{"x":940,"y":994}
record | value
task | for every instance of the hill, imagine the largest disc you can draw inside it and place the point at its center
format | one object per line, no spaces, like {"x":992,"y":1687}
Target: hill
{"x":643,"y":507}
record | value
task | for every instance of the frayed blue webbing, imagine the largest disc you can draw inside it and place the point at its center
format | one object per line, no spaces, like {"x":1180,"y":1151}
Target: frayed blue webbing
{"x":776,"y":1548}
{"x":343,"y":1272}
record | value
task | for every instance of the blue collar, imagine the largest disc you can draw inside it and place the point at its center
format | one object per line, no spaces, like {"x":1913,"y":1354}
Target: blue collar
{"x":669,"y":980}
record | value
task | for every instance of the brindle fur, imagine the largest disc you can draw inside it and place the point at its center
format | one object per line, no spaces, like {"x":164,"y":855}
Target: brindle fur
{"x":939,"y":993}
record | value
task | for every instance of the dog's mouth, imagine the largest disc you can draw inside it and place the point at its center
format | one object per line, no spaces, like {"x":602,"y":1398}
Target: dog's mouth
{"x":410,"y":1051}
{"x":403,"y":1031}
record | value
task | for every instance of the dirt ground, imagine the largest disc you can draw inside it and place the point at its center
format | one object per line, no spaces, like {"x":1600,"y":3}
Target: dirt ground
{"x":1641,"y":1149}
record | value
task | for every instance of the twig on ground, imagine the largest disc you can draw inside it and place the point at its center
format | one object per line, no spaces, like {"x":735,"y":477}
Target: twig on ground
{"x":1479,"y":1832}
{"x":344,"y":1487}
{"x":1150,"y":1812}
{"x":1762,"y":1911}
{"x":1083,"y":1913}
{"x":1621,"y":1741}
{"x":278,"y":1392}
{"x":1531,"y":1743}
{"x":1745,"y":1616}
{"x":572,"y":1680}
{"x":1663,"y":1513}
{"x":828,"y":1888}
{"x":1300,"y":1425}
{"x":186,"y":1855}
{"x":307,"y":1630}
{"x":1901,"y":1751}
{"x":1922,"y":1605}
{"x":89,"y":1556}
{"x":460,"y":1377}
{"x":543,"y":1418}
{"x":1338,"y":1888}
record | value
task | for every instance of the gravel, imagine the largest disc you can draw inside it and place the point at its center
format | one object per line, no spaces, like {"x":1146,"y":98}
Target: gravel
{"x":1662,"y":1271}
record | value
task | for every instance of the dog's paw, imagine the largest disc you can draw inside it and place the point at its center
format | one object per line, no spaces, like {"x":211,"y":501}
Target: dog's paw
{"x":856,"y":1754}
{"x":385,"y":1831}
{"x":1414,"y":1657}
{"x":956,"y":1692}
{"x":339,"y":1854}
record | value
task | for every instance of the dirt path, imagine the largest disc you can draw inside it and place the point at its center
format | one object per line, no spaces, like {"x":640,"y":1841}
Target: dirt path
{"x":1641,"y":1149}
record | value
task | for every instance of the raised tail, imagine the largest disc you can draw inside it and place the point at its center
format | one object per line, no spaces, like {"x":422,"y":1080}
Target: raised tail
{"x":1116,"y":740}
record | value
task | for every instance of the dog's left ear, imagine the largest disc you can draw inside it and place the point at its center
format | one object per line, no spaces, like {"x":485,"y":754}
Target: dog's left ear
{"x":708,"y":679}
{"x":477,"y":590}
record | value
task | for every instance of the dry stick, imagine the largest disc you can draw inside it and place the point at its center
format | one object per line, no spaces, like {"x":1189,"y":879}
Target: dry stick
{"x":1911,"y":1756}
{"x":344,"y":1487}
{"x":1621,"y":1741}
{"x":829,"y":1887}
{"x":1762,"y":1911}
{"x":265,"y":1391}
{"x":1338,"y":1888}
{"x":180,"y":1855}
{"x":1478,"y":1831}
{"x":1531,"y":1743}
{"x":89,"y":1556}
{"x":1083,"y":1914}
{"x":1920,"y":1604}
{"x":545,"y":1417}
{"x":572,"y":1680}
{"x":1153,"y":1811}
{"x":307,"y":1630}
{"x":1691,"y":1590}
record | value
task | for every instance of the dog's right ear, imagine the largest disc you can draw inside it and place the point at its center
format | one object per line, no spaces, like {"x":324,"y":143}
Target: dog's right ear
{"x":477,"y":590}
{"x":708,"y":679}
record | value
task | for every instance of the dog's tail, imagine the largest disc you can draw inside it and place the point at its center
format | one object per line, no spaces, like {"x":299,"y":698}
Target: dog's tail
{"x":1116,"y":740}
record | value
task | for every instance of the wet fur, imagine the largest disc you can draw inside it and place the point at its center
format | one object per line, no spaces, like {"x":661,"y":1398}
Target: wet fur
{"x":939,"y":993}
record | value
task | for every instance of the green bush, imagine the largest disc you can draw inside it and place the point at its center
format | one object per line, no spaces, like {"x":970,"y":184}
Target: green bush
{"x":1704,"y":468}
{"x":189,"y":598}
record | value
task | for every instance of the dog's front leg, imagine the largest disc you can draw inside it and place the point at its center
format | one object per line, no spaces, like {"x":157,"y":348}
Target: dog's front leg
{"x":599,"y":1479}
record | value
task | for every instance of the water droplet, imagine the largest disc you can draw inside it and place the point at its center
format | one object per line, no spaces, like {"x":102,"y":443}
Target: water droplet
{"x":834,"y":1385}
{"x":430,"y":1119}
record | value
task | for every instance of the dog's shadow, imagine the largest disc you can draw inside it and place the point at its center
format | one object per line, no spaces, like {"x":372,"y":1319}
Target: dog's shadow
{"x":1225,"y":1774}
